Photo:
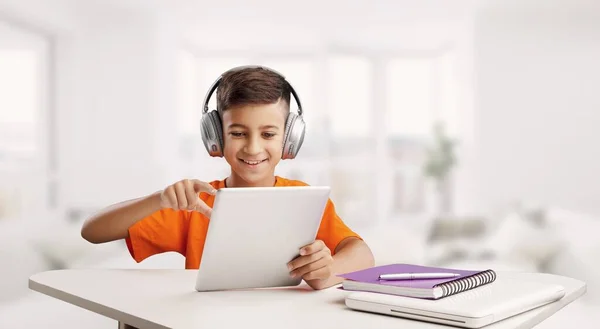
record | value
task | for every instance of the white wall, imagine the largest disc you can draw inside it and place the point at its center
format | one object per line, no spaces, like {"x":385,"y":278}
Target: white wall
{"x":538,"y":110}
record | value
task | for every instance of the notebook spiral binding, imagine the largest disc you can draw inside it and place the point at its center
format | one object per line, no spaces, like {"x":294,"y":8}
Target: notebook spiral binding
{"x":463,"y":284}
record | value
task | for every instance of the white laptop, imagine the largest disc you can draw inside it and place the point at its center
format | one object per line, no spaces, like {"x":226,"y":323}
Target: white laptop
{"x":254,"y":232}
{"x":470,"y":309}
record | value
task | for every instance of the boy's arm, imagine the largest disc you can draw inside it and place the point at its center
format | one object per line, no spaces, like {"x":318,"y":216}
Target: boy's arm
{"x":352,"y":254}
{"x":113,"y":223}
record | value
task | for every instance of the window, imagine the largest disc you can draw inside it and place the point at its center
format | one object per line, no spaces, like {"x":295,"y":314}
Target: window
{"x":23,"y":83}
{"x":20,"y":100}
{"x":350,"y":96}
{"x":24,"y":121}
{"x":410,"y":97}
{"x":449,"y":97}
{"x":420,"y":92}
{"x":341,"y":118}
{"x":189,"y":102}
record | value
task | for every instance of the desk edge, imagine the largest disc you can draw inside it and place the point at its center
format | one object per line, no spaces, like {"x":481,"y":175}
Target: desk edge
{"x":92,"y":306}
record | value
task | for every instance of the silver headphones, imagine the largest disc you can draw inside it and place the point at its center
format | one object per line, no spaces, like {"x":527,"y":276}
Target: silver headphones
{"x":212,"y":129}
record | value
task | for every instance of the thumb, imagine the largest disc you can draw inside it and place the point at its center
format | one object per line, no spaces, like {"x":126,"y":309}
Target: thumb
{"x":203,"y":208}
{"x":200,"y":186}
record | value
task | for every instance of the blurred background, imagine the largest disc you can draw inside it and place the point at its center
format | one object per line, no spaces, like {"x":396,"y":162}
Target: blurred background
{"x":453,"y":133}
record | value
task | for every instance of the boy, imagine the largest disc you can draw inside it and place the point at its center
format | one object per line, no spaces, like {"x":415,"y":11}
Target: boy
{"x":252,"y":104}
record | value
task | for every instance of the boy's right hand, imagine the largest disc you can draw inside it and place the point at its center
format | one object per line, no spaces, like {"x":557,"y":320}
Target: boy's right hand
{"x":183,"y":195}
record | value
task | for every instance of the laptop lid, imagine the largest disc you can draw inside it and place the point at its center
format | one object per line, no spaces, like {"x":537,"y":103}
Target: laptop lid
{"x":471,"y":309}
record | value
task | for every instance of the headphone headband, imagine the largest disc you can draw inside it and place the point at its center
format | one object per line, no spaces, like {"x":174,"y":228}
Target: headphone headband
{"x":215,"y":84}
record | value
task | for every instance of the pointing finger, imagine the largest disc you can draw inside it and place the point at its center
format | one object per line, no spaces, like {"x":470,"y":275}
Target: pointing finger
{"x":200,"y":186}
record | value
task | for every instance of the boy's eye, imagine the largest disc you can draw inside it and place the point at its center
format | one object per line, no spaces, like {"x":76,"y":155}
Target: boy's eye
{"x":236,"y":134}
{"x":268,"y":135}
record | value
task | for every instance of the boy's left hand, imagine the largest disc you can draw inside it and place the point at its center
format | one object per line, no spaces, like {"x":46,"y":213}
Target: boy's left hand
{"x":314,"y":263}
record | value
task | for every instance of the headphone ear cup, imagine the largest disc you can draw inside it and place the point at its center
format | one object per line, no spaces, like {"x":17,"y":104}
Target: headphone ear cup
{"x":212,"y":134}
{"x":294,"y":136}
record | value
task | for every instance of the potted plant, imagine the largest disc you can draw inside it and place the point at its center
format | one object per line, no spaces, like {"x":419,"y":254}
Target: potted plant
{"x":440,"y":161}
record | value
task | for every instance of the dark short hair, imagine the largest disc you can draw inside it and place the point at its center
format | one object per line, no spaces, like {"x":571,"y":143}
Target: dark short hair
{"x":254,"y":85}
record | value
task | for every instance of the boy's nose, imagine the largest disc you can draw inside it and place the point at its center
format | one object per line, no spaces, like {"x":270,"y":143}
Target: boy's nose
{"x":253,"y":146}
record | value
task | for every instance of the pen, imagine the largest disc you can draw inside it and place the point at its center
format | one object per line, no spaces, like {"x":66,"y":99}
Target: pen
{"x":416,"y":276}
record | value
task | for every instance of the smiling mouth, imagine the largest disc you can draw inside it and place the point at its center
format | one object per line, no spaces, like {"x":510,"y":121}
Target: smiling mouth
{"x":253,"y":162}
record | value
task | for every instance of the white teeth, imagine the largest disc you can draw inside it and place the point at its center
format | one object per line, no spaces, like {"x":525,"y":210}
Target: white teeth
{"x":253,"y":162}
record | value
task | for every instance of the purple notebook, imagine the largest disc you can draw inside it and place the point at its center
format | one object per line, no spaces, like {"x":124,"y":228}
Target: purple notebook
{"x":368,"y":280}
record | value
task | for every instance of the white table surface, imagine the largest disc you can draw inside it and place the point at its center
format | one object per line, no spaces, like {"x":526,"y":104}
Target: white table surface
{"x":167,"y":299}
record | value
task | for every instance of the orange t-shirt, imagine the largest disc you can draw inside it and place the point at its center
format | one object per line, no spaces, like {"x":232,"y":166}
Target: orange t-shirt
{"x":185,"y":232}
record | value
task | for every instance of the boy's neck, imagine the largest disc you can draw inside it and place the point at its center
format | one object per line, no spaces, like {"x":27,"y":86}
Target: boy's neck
{"x":235,"y":181}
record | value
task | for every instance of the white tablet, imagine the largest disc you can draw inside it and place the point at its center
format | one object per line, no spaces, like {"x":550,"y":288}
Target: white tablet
{"x":254,"y":232}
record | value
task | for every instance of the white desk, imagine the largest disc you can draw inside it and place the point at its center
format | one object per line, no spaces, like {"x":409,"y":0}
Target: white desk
{"x":167,"y":299}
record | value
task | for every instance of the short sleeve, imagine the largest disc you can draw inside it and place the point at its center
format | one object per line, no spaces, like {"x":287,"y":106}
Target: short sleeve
{"x":333,"y":230}
{"x":163,"y":231}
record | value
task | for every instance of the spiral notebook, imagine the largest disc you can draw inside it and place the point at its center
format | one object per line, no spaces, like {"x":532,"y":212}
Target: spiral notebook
{"x":368,"y":280}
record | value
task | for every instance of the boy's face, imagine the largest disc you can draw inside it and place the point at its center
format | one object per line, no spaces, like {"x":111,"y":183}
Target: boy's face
{"x":253,"y":141}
